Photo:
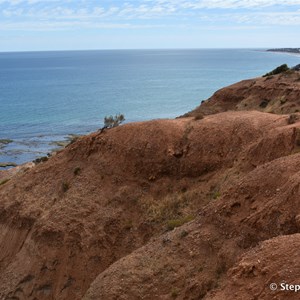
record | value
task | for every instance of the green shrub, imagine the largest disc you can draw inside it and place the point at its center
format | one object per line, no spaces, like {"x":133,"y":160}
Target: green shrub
{"x":113,"y":121}
{"x":278,"y":70}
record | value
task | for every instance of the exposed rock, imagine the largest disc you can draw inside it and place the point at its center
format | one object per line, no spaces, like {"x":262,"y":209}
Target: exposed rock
{"x":7,"y":164}
{"x":4,"y":142}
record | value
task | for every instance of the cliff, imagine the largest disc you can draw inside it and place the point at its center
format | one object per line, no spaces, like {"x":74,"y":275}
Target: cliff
{"x":191,"y":208}
{"x":278,"y":94}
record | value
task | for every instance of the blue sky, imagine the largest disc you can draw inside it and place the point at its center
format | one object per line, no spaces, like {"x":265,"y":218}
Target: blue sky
{"x":137,"y":24}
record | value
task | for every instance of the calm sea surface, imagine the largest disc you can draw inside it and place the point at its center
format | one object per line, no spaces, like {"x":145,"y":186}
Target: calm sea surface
{"x":45,"y":96}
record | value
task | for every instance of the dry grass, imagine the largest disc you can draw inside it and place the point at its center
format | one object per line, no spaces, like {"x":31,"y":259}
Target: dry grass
{"x":169,"y":207}
{"x":4,"y":181}
{"x":171,"y":224}
{"x":198,"y":116}
{"x":174,"y":207}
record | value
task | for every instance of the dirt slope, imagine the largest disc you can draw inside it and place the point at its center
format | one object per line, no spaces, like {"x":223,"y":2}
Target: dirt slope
{"x":155,"y":210}
{"x":275,"y":261}
{"x":278,"y":94}
{"x":205,"y":255}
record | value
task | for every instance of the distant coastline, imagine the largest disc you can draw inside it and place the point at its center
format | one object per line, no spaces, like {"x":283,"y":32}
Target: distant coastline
{"x":286,"y":50}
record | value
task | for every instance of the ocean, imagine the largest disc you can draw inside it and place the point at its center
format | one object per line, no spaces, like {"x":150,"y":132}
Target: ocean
{"x":46,"y":96}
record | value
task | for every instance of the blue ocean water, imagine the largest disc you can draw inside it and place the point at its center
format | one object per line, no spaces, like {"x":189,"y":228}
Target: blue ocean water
{"x":45,"y":96}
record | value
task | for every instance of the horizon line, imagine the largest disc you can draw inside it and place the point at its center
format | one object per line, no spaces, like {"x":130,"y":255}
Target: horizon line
{"x":139,"y":49}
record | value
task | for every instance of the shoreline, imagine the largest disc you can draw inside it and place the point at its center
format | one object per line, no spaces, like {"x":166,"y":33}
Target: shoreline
{"x":7,"y":174}
{"x":15,"y":153}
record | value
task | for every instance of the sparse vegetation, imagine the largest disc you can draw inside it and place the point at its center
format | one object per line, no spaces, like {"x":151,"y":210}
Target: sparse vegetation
{"x":278,"y":70}
{"x":175,"y":206}
{"x":165,"y":208}
{"x":77,"y":170}
{"x":4,"y":181}
{"x":216,"y":195}
{"x":171,"y":224}
{"x":289,"y":72}
{"x":113,"y":121}
{"x":174,"y":293}
{"x":198,"y":116}
{"x":264,"y":103}
{"x":65,"y":186}
{"x":269,"y":77}
{"x":183,"y":234}
{"x":292,"y":119}
{"x":282,"y":100}
{"x":40,"y":159}
{"x":128,"y":225}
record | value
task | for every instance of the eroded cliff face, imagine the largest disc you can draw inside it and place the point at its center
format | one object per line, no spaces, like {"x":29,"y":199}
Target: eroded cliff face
{"x":278,"y":94}
{"x":186,"y":208}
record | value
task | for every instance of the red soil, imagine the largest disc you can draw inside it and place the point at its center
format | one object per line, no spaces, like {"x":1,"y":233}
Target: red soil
{"x":95,"y":220}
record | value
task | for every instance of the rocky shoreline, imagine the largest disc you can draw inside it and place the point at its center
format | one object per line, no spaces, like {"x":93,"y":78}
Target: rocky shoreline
{"x":12,"y":151}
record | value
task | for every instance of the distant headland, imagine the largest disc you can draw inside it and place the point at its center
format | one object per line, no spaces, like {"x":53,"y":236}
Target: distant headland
{"x":289,"y":50}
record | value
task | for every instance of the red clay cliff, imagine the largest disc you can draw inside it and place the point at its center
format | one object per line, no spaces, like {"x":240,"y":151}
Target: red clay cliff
{"x":201,"y":207}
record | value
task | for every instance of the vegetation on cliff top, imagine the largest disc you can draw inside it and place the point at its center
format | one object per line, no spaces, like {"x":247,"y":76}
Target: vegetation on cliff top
{"x":278,"y":70}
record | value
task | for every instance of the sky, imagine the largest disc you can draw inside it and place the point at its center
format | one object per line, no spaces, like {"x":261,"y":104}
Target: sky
{"x":33,"y":25}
